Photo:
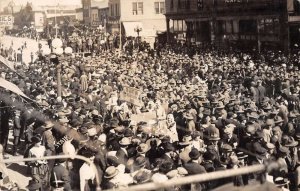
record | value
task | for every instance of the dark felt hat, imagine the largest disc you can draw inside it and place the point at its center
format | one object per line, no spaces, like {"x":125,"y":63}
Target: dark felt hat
{"x":194,"y":154}
{"x":37,"y":138}
{"x":33,"y":185}
{"x":168,"y":147}
{"x":166,"y":167}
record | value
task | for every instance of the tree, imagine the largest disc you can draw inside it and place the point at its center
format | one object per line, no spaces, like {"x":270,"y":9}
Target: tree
{"x":24,"y":17}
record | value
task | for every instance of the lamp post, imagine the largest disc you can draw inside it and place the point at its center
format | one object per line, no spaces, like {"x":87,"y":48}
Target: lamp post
{"x":58,"y":51}
{"x":138,"y":29}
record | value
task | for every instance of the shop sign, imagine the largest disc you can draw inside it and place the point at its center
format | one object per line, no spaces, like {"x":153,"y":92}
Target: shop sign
{"x":96,"y":23}
{"x":6,"y":20}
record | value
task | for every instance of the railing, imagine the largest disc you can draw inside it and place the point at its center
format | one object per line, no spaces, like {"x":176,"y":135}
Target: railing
{"x":15,"y":160}
{"x":205,"y":177}
{"x":172,"y":182}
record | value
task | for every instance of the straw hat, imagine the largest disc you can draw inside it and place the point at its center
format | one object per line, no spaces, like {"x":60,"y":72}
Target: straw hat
{"x":125,"y":141}
{"x":142,"y":148}
{"x":92,"y":132}
{"x":48,"y":125}
{"x":280,"y":181}
{"x":111,"y":172}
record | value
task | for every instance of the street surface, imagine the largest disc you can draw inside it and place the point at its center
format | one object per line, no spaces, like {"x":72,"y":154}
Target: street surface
{"x":31,"y":46}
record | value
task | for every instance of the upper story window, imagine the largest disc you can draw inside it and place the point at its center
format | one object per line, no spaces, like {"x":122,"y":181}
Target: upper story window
{"x":159,"y":7}
{"x":137,"y":8}
{"x":117,"y":10}
{"x":112,"y":12}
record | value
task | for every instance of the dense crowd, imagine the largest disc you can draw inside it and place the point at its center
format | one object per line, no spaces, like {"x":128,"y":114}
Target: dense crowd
{"x":202,"y":111}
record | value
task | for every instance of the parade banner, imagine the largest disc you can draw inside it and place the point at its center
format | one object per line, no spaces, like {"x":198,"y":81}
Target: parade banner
{"x":7,"y":63}
{"x":131,"y":95}
{"x":146,"y":117}
{"x":152,"y":126}
{"x":12,"y":87}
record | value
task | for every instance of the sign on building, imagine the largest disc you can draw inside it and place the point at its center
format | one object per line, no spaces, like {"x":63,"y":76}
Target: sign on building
{"x":6,"y":20}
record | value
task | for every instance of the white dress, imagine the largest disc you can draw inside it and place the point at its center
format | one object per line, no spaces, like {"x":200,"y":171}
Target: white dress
{"x":172,"y":132}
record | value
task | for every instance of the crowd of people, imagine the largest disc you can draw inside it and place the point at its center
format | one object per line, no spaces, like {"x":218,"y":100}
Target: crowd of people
{"x":204,"y":111}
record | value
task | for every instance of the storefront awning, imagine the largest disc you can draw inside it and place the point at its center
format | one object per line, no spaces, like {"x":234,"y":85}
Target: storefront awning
{"x":130,"y":26}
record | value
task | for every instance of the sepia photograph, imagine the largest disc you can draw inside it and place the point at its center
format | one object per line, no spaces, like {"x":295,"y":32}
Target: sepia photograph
{"x":149,"y":95}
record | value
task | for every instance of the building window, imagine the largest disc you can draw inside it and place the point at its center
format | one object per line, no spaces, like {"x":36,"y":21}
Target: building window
{"x":247,"y":26}
{"x":187,"y":4}
{"x":112,"y":10}
{"x":95,"y":18}
{"x":140,"y":8}
{"x":235,"y":27}
{"x":156,"y":7}
{"x":179,"y":4}
{"x":86,"y":13}
{"x":228,"y":27}
{"x":159,"y":7}
{"x":134,"y":8}
{"x":116,"y":9}
{"x":137,"y":8}
{"x":171,"y":25}
{"x":162,"y":7}
{"x":199,"y":4}
{"x":179,"y":26}
{"x":269,"y":26}
{"x":172,"y":4}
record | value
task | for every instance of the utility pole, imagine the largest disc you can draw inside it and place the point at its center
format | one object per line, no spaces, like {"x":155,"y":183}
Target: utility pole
{"x":120,"y":22}
{"x":55,"y":21}
{"x":11,"y":5}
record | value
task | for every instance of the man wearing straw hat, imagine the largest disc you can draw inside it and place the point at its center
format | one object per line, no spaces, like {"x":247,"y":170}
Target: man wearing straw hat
{"x":48,"y":140}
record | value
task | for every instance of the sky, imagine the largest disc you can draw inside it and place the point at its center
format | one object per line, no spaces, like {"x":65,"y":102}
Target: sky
{"x":42,"y":2}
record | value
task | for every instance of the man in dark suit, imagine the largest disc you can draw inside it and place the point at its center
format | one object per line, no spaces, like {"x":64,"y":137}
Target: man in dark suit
{"x":60,"y":176}
{"x":17,"y":131}
{"x":193,"y":167}
{"x":261,"y":90}
{"x":168,"y":149}
{"x":122,"y":153}
{"x":4,"y":126}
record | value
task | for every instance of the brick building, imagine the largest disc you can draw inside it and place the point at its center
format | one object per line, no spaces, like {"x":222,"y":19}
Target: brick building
{"x":255,"y":24}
